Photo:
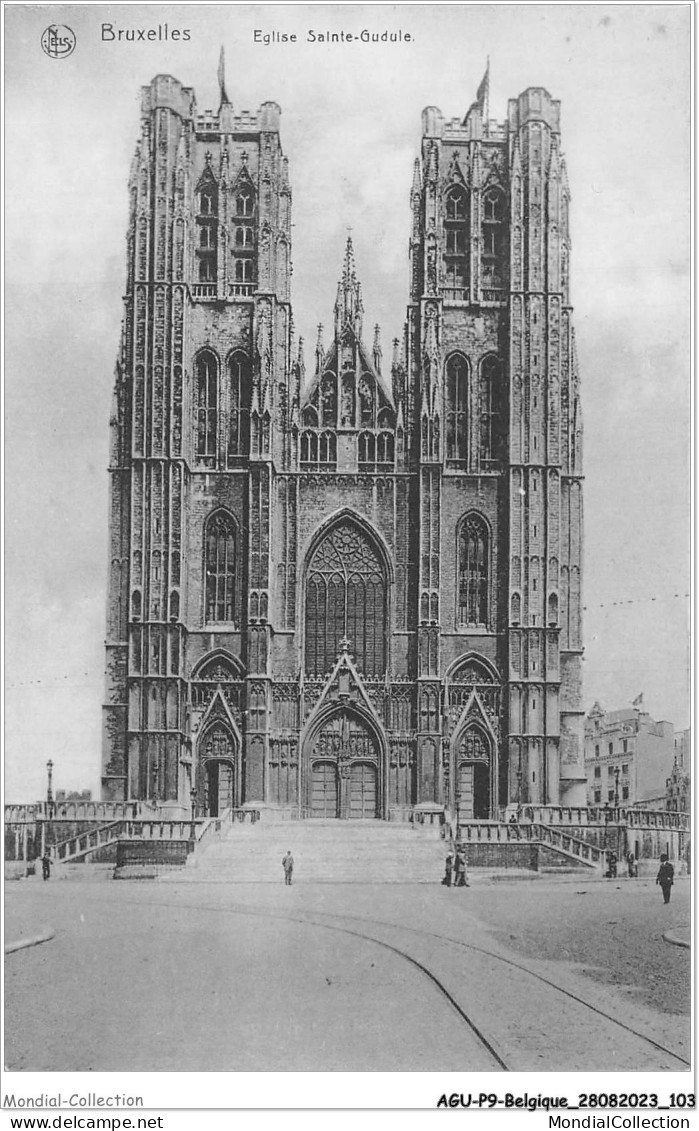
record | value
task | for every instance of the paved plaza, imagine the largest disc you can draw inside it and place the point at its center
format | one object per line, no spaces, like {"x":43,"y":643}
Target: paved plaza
{"x":526,"y":975}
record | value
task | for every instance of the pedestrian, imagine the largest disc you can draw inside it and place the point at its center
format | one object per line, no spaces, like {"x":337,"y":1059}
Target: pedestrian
{"x":288,"y":866}
{"x":46,"y":865}
{"x":665,"y":877}
{"x":513,"y":827}
{"x":611,"y":865}
{"x":631,"y":864}
{"x":460,"y":875}
{"x":448,"y":866}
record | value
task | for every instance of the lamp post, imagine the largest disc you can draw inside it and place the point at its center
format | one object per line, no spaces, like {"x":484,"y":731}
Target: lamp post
{"x":616,"y":812}
{"x":49,"y":807}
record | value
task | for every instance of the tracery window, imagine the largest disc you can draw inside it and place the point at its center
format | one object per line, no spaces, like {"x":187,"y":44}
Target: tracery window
{"x":220,"y":569}
{"x":207,"y":232}
{"x":245,"y":202}
{"x":456,"y":268}
{"x":244,"y":237}
{"x":240,"y":387}
{"x":207,"y":404}
{"x":494,"y":237}
{"x":329,"y":399}
{"x":346,"y":596}
{"x":208,"y":201}
{"x":318,"y":451}
{"x":490,"y":391}
{"x":457,"y":408}
{"x":473,"y":566}
{"x":243,"y":271}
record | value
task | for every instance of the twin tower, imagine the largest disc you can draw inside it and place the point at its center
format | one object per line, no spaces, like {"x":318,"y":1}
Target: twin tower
{"x":353,"y":590}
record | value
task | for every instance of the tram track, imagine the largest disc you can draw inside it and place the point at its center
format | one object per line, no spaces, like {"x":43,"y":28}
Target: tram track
{"x":501,"y":1057}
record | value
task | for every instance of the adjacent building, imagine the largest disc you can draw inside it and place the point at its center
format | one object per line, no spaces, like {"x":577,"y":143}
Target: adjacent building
{"x":628,"y":757}
{"x":351,"y":591}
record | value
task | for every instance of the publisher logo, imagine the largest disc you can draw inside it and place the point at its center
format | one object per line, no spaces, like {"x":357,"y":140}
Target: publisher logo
{"x":58,"y":41}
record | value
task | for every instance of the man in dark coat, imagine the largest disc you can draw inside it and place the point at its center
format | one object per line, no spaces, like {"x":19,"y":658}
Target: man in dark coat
{"x":288,"y":866}
{"x":665,"y":877}
{"x":46,"y":865}
{"x":460,"y":880}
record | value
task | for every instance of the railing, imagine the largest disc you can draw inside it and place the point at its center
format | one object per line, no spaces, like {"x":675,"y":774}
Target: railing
{"x":498,"y":295}
{"x":241,"y":290}
{"x":87,"y":842}
{"x":76,"y":811}
{"x":204,"y":290}
{"x":597,"y":814}
{"x":104,"y":835}
{"x":455,"y":294}
{"x":572,"y":846}
{"x":492,"y":832}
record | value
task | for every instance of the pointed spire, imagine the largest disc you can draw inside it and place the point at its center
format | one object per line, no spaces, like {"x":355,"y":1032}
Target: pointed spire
{"x":320,"y":348}
{"x":348,"y":271}
{"x":301,"y":361}
{"x":225,"y":101}
{"x":377,"y":351}
{"x":396,"y":353}
{"x":348,"y":306}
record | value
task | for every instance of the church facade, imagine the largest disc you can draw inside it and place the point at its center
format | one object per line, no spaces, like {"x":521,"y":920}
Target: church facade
{"x":351,"y":591}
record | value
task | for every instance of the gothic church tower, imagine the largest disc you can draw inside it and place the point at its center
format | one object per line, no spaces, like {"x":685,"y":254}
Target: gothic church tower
{"x":352,"y":593}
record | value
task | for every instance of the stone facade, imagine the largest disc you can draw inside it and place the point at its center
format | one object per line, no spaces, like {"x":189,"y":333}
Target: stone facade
{"x":356,"y":591}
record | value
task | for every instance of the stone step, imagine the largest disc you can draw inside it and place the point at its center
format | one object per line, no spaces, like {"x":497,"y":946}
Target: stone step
{"x":324,"y":851}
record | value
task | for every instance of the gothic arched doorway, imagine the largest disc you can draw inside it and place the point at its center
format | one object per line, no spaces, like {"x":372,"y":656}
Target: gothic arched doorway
{"x":216,"y":772}
{"x":473,"y":761}
{"x":343,"y":769}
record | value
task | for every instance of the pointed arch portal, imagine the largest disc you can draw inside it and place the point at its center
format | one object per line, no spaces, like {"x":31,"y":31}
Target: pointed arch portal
{"x":473,"y":758}
{"x":217,"y":773}
{"x":343,"y":767}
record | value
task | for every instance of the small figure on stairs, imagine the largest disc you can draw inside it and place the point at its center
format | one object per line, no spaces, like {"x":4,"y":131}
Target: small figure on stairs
{"x":288,"y":866}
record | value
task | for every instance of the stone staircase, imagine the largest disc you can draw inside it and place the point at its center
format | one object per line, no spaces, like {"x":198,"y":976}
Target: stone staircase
{"x":324,"y":852}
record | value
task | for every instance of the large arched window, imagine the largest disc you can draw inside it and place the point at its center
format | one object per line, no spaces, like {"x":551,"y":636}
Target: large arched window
{"x":207,"y":404}
{"x":473,"y":568}
{"x":240,"y":386}
{"x":220,"y":569}
{"x":346,"y":597}
{"x":489,"y":398}
{"x":457,"y":408}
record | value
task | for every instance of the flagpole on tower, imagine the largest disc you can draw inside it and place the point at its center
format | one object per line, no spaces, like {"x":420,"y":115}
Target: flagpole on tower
{"x":222,"y":79}
{"x":487,"y":89}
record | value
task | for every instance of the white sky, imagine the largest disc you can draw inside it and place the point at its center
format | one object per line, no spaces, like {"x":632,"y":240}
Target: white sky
{"x":351,"y":130}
